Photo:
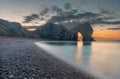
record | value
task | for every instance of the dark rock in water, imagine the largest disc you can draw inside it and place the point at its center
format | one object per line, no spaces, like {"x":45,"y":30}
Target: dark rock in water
{"x":12,"y":29}
{"x":86,"y":31}
{"x":54,"y":32}
{"x":59,"y":32}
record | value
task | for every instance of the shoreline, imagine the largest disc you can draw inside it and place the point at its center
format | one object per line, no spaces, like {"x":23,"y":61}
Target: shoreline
{"x":22,"y":59}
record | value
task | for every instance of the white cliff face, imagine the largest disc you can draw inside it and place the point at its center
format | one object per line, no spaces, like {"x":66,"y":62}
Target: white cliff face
{"x":12,"y":29}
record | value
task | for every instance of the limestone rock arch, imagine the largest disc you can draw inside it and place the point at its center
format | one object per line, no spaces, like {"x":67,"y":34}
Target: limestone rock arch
{"x":60,"y":32}
{"x":86,"y":31}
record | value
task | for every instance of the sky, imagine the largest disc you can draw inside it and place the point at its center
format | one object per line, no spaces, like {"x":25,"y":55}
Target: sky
{"x":104,"y":15}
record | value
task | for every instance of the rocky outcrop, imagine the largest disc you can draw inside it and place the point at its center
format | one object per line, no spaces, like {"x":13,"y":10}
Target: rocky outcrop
{"x":59,"y":32}
{"x":12,"y":29}
{"x":49,"y":31}
{"x":86,"y":31}
{"x":54,"y":32}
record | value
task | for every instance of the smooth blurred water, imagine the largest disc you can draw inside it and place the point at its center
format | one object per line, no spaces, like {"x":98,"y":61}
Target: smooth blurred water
{"x":98,"y":58}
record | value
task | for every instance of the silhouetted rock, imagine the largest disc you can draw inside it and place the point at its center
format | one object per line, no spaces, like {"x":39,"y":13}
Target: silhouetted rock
{"x":59,"y":32}
{"x":49,"y":31}
{"x":54,"y":32}
{"x":86,"y":31}
{"x":12,"y":29}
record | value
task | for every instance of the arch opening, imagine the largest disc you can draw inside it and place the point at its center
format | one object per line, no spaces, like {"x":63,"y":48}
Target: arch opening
{"x":79,"y":36}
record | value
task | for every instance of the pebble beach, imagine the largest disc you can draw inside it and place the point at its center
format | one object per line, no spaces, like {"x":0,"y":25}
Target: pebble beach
{"x":20,"y":58}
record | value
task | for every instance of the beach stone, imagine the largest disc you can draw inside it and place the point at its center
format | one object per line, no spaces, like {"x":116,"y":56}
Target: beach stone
{"x":15,"y":63}
{"x":11,"y":76}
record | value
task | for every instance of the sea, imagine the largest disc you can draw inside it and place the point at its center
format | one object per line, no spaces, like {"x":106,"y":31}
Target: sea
{"x":99,"y":58}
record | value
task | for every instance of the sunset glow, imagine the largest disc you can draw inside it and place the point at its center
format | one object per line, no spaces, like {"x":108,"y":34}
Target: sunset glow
{"x":104,"y":18}
{"x":104,"y":34}
{"x":107,"y":34}
{"x":58,"y":39}
{"x":79,"y":35}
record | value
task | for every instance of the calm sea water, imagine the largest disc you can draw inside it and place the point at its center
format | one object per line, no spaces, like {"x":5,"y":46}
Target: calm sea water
{"x":99,"y":58}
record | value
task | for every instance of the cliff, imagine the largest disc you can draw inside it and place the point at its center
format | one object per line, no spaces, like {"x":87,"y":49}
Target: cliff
{"x":12,"y":29}
{"x":53,"y":32}
{"x":60,"y":32}
{"x":48,"y":31}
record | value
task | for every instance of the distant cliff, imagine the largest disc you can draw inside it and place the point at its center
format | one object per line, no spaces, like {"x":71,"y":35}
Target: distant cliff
{"x":48,"y":31}
{"x":12,"y":29}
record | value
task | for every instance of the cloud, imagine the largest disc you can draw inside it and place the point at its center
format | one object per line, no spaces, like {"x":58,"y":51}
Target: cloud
{"x":30,"y":18}
{"x":108,"y":22}
{"x":53,"y":9}
{"x":67,"y":6}
{"x":106,"y":11}
{"x":57,"y":9}
{"x":42,"y":15}
{"x":71,"y":12}
{"x":44,"y":11}
{"x":67,"y":13}
{"x":72,"y":16}
{"x":34,"y":16}
{"x":93,"y":18}
{"x":88,"y":15}
{"x":113,"y":28}
{"x":101,"y":20}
